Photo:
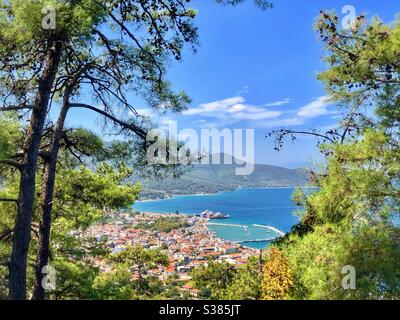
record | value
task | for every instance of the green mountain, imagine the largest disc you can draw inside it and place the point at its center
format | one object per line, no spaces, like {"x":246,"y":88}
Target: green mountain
{"x":209,"y":179}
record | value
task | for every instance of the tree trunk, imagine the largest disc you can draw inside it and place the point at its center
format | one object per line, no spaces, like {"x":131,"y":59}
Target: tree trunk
{"x":46,"y":201}
{"x":23,"y":221}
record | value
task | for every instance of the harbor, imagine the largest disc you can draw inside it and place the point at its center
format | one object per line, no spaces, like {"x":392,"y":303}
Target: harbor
{"x":253,"y":213}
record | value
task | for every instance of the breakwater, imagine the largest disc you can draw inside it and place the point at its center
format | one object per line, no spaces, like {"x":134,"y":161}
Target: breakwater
{"x":281,"y":233}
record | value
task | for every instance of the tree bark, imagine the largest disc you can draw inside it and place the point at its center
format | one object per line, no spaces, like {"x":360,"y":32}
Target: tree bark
{"x":47,"y":198}
{"x":23,"y":221}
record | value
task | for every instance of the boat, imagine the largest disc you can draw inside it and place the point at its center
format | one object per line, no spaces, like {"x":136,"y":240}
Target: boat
{"x":214,"y":215}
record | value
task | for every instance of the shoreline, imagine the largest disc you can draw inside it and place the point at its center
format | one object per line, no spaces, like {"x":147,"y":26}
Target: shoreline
{"x":208,"y":222}
{"x":225,"y":233}
{"x":205,"y":223}
{"x":219,"y":192}
{"x":188,"y":246}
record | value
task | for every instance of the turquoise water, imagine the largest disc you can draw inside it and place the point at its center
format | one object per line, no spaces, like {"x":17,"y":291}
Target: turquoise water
{"x":250,"y":210}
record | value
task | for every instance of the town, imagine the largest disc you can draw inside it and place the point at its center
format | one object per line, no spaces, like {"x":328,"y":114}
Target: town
{"x":189,"y":245}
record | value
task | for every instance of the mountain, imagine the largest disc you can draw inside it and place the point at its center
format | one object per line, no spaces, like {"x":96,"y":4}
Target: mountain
{"x":209,"y":179}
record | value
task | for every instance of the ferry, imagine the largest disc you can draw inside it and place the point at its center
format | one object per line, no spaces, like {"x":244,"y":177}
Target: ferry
{"x":214,"y":215}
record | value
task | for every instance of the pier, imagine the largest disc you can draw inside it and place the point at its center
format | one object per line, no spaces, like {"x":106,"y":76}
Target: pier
{"x":270,"y":228}
{"x":253,"y":241}
{"x":281,"y":233}
{"x":226,"y":225}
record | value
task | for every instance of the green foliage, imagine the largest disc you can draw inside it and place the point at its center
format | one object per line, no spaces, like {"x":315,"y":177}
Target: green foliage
{"x":137,"y":261}
{"x":246,"y":284}
{"x":363,"y":65}
{"x":164,"y":224}
{"x":350,"y":221}
{"x":75,"y":280}
{"x":115,"y":285}
{"x":362,"y":174}
{"x":76,"y":20}
{"x":216,"y":276}
{"x":351,"y":218}
{"x":140,"y":259}
{"x":317,"y":260}
{"x":82,"y":197}
{"x":85,"y":194}
{"x":9,"y":135}
{"x":226,"y":282}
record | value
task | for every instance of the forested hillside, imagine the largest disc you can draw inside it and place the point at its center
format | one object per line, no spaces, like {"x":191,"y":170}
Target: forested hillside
{"x":215,"y":178}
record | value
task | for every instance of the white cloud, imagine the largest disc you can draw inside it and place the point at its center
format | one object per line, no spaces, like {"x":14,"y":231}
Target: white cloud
{"x":232,"y":109}
{"x":213,"y":107}
{"x":256,"y":115}
{"x":294,"y":121}
{"x":278,"y":103}
{"x":316,"y":108}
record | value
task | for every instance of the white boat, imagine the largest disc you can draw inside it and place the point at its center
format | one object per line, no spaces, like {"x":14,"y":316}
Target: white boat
{"x":214,"y":215}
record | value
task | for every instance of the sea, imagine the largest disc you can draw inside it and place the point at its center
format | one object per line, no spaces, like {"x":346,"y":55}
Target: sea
{"x":257,"y":216}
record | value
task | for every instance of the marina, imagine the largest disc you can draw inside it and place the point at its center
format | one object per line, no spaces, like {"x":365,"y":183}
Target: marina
{"x":253,"y":213}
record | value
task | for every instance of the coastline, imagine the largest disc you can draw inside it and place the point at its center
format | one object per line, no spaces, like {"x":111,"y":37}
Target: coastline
{"x":272,"y":215}
{"x":183,"y":195}
{"x":188,"y":245}
{"x":206,"y":223}
{"x":175,"y":196}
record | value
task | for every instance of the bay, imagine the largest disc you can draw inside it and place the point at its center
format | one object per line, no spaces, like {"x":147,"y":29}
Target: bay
{"x":252,"y":212}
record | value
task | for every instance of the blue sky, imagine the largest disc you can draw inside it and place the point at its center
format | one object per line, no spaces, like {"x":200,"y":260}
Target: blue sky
{"x":257,"y":69}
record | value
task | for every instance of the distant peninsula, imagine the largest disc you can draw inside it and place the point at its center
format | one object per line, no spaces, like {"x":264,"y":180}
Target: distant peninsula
{"x":211,"y":179}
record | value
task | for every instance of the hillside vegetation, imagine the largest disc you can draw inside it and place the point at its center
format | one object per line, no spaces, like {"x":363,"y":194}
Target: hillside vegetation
{"x":216,"y":178}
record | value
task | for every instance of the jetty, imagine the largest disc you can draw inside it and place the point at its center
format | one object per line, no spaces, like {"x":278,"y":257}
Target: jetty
{"x":253,"y":241}
{"x":281,"y":233}
{"x":226,"y":225}
{"x":270,"y":228}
